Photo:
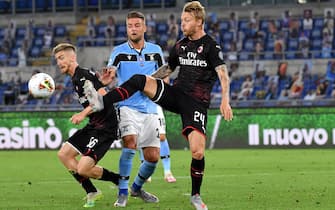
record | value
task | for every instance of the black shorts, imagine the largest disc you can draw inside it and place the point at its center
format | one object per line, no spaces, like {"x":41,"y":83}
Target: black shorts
{"x":91,"y":142}
{"x":193,"y":113}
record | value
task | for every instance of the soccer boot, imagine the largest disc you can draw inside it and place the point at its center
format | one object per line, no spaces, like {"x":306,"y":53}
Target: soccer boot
{"x":91,"y":198}
{"x":94,"y":98}
{"x":197,"y":202}
{"x":145,"y":196}
{"x":169,"y":178}
{"x":121,"y":201}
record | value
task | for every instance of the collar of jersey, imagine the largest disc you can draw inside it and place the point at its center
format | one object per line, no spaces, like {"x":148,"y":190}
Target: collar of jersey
{"x":131,"y":46}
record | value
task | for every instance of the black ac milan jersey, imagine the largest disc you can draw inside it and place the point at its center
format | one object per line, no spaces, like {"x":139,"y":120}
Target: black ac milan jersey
{"x":197,"y":60}
{"x":105,"y":119}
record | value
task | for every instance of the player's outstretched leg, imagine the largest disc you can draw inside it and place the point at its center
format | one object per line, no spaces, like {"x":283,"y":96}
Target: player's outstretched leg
{"x":95,"y":99}
{"x":127,"y":89}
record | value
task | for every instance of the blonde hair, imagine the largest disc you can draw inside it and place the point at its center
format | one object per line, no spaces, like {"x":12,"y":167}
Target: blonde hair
{"x":197,"y":9}
{"x":63,"y":46}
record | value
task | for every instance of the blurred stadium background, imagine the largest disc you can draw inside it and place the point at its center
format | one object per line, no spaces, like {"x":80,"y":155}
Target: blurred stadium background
{"x":280,"y":55}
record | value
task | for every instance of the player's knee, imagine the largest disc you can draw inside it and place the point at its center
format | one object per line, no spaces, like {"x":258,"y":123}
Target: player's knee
{"x":197,"y":154}
{"x":129,"y":145}
{"x":82,"y":172}
{"x":61,"y":155}
{"x":152,"y":159}
{"x":151,"y":155}
{"x":162,"y":137}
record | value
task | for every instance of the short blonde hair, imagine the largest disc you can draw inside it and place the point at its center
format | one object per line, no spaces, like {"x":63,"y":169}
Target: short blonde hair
{"x":63,"y":46}
{"x":197,"y":9}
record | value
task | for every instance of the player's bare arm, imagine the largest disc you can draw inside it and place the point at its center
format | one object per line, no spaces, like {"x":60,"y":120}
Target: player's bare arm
{"x":225,"y":108}
{"x":79,"y":117}
{"x":162,"y":72}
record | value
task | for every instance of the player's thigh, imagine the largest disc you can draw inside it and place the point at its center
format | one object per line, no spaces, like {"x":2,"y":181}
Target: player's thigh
{"x":150,"y":88}
{"x":86,"y":163}
{"x":170,"y":97}
{"x":103,"y":145}
{"x":91,"y":142}
{"x":67,"y":151}
{"x":194,"y":116}
{"x":79,"y":140}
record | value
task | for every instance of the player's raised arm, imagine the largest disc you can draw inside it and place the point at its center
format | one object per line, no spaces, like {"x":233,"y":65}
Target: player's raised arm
{"x":162,"y":72}
{"x":225,"y":82}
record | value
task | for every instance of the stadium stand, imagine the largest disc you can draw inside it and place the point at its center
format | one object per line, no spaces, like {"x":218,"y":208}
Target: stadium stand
{"x":267,"y":39}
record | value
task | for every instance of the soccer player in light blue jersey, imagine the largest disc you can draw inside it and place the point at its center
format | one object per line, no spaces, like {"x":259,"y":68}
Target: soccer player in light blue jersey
{"x":164,"y":150}
{"x":138,"y":123}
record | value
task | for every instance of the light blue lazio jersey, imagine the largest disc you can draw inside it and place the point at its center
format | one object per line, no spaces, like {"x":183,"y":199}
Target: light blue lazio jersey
{"x":129,"y":61}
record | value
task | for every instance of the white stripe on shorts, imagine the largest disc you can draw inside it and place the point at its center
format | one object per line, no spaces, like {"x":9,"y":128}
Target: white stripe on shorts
{"x":162,"y":90}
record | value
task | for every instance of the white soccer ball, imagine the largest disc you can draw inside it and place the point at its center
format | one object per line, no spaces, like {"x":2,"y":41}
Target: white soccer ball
{"x":41,"y":85}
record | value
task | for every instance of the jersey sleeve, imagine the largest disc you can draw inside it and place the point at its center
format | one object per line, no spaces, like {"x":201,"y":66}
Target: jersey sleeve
{"x":173,"y":58}
{"x":160,"y":51}
{"x":215,"y":55}
{"x":112,"y":59}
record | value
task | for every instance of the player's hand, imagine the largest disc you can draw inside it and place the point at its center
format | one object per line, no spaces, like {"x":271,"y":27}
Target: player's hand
{"x":226,"y":111}
{"x":77,"y":118}
{"x":108,"y":75}
{"x":162,"y":72}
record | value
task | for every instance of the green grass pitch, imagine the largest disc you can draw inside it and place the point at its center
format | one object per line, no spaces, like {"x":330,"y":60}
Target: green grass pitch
{"x":273,"y":179}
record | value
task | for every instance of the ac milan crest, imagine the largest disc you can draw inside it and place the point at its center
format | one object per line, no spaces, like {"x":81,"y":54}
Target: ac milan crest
{"x":200,"y":49}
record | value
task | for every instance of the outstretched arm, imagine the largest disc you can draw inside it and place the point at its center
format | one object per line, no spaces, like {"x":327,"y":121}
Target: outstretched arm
{"x":225,"y":108}
{"x":162,"y":72}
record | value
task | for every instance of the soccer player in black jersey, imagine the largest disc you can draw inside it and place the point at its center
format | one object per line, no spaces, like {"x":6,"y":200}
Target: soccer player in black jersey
{"x":92,"y":141}
{"x":201,"y":63}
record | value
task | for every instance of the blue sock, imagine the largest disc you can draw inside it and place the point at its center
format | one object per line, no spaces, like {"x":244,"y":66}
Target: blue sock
{"x":165,"y":156}
{"x":125,"y":165}
{"x":141,"y":155}
{"x":145,"y":171}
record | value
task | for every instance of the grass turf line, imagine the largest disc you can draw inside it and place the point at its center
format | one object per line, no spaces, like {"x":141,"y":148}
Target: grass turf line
{"x":273,"y":179}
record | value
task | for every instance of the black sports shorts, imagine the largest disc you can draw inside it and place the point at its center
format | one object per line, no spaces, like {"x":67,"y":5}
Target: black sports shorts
{"x":193,"y":113}
{"x":92,"y":142}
